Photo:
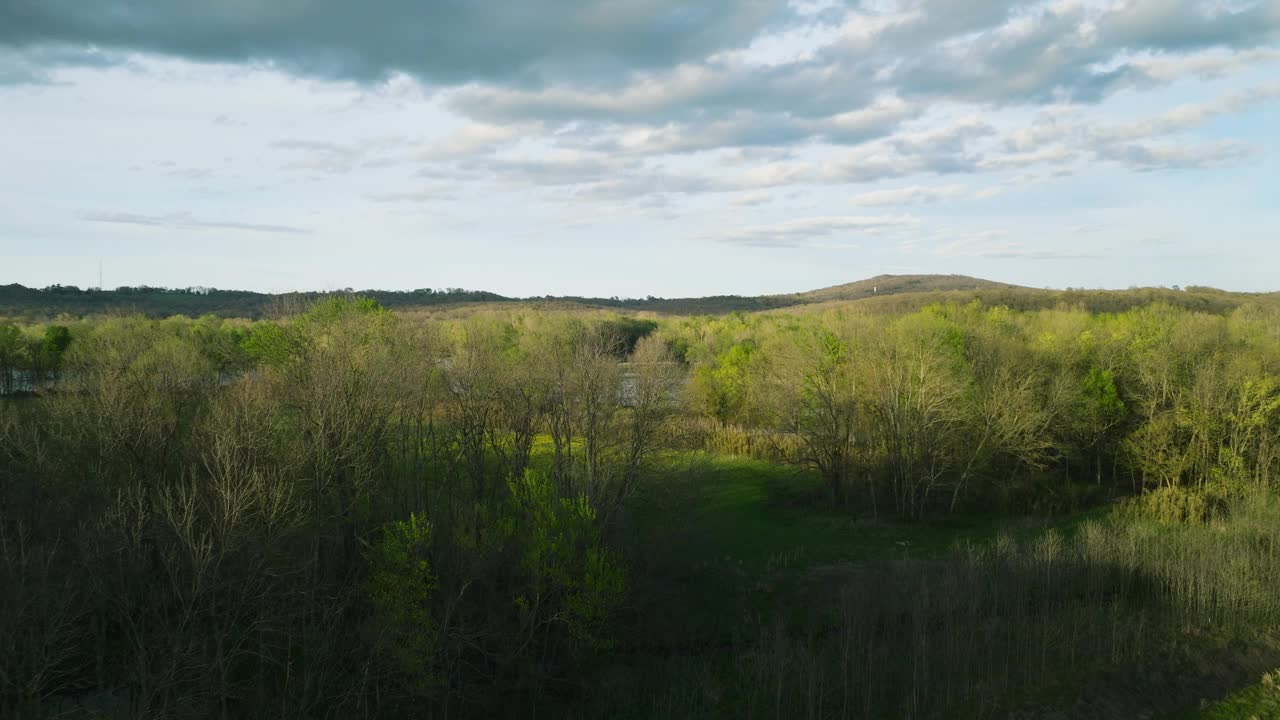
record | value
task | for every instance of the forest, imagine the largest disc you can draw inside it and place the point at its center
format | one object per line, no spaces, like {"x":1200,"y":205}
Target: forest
{"x":945,"y":504}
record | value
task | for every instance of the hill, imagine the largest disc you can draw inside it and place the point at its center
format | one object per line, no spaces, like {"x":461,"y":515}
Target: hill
{"x":898,"y":284}
{"x":881,"y":294}
{"x":1195,"y":299}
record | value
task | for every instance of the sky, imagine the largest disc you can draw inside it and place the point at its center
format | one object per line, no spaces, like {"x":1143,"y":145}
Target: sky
{"x":638,"y":147}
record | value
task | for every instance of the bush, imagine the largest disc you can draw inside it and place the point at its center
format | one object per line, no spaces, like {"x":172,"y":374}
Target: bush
{"x":1180,"y":505}
{"x":401,"y":589}
{"x":573,"y":580}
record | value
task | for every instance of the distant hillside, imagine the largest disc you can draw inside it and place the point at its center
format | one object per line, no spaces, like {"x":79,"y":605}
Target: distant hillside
{"x":18,"y":301}
{"x":23,"y":302}
{"x":897,"y":284}
{"x":882,"y":294}
{"x":1195,"y":299}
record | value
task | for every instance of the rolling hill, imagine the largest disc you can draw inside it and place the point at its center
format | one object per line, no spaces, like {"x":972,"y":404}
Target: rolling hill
{"x":883,"y":293}
{"x":898,"y":284}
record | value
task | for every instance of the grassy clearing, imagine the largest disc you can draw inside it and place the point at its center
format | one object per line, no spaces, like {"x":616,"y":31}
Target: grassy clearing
{"x":766,"y":606}
{"x":761,"y":516}
{"x":1257,"y":702}
{"x":720,"y":543}
{"x":730,"y":539}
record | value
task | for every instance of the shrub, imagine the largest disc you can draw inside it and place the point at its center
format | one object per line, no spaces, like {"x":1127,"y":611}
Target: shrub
{"x":1175,"y":505}
{"x":572,"y":578}
{"x":401,"y":588}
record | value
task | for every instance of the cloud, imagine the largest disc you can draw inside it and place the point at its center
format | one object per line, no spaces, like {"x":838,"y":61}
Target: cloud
{"x":21,"y":65}
{"x":1187,"y":24}
{"x":471,"y":139}
{"x":1186,"y":116}
{"x":989,"y":245}
{"x":550,"y":168}
{"x":648,"y":79}
{"x":814,"y":231}
{"x":1020,"y":53}
{"x":1177,"y":155}
{"x":323,"y":156}
{"x":1059,"y":136}
{"x":634,"y":102}
{"x":754,"y":129}
{"x":910,"y":195}
{"x":752,"y":199}
{"x":435,"y":193}
{"x":636,"y":165}
{"x":642,"y":186}
{"x":439,"y":42}
{"x":224,"y":120}
{"x":185,"y":221}
{"x":1205,"y":65}
{"x":1046,"y":155}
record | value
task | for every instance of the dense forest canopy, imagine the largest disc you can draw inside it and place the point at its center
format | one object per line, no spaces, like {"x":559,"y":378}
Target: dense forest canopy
{"x":346,"y":510}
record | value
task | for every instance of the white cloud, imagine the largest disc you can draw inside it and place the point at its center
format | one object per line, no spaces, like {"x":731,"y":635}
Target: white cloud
{"x":1178,"y":155}
{"x":473,"y":138}
{"x":1186,"y":116}
{"x":990,"y":246}
{"x":912,"y":194}
{"x":186,"y":221}
{"x":815,"y":230}
{"x":752,"y":198}
{"x":1204,"y":65}
{"x":335,"y":158}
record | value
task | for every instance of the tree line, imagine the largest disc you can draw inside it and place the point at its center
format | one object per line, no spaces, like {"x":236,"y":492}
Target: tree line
{"x":961,"y":405}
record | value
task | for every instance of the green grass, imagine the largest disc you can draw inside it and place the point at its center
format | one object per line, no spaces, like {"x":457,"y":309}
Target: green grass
{"x":1138,"y":616}
{"x":731,"y":539}
{"x":757,"y":514}
{"x":1260,"y":701}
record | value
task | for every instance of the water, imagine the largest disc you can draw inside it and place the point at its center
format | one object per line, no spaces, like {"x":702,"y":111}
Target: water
{"x":20,"y":382}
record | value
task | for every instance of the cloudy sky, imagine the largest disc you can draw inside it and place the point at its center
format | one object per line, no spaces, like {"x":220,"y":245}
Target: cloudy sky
{"x":635,"y":147}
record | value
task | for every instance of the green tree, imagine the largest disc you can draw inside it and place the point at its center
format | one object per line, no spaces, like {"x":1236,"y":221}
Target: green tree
{"x":573,"y":581}
{"x":56,"y":340}
{"x":11,"y":353}
{"x":1101,"y":412}
{"x":402,"y":589}
{"x":724,"y":386}
{"x":807,"y":387}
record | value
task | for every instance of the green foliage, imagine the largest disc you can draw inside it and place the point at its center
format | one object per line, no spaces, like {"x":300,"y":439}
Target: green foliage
{"x":222,"y":343}
{"x":12,"y":351}
{"x":270,"y":344}
{"x":628,"y":331}
{"x":573,"y":579}
{"x":1104,"y":399}
{"x":1260,"y":702}
{"x":349,"y":511}
{"x":334,"y":309}
{"x":361,"y":319}
{"x":53,"y":346}
{"x":56,"y":340}
{"x":10,"y":340}
{"x":725,"y":385}
{"x":402,"y":589}
{"x":1175,"y":505}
